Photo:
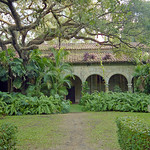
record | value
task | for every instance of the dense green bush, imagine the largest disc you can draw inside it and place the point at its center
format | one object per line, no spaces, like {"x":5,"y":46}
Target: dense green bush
{"x":18,"y":104}
{"x":133,"y":134}
{"x":133,"y":102}
{"x":8,"y":137}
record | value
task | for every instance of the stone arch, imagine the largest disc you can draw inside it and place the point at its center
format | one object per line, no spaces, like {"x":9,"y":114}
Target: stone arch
{"x":118,"y":82}
{"x":92,"y":72}
{"x":96,"y":83}
{"x":126,"y":75}
{"x":74,"y":93}
{"x":76,"y":74}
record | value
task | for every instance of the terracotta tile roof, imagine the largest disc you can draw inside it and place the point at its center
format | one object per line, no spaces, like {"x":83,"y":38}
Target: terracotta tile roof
{"x":89,"y":55}
{"x":98,"y":57}
{"x":94,"y":58}
{"x":75,"y":46}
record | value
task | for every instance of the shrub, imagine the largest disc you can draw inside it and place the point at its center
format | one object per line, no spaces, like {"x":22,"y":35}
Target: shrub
{"x":8,"y":137}
{"x":132,"y":102}
{"x":133,"y":134}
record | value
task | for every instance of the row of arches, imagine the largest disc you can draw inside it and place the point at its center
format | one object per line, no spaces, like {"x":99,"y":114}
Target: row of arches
{"x":117,"y":82}
{"x":95,"y":83}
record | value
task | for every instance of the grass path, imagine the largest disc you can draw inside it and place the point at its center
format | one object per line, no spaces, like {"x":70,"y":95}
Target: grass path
{"x":75,"y":127}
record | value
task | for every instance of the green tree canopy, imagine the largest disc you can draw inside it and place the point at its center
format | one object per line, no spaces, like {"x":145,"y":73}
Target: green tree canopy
{"x":138,"y":26}
{"x":25,"y":24}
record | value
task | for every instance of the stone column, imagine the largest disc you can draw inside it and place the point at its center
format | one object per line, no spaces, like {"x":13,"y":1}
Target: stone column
{"x":148,"y":108}
{"x":130,"y":87}
{"x":106,"y":87}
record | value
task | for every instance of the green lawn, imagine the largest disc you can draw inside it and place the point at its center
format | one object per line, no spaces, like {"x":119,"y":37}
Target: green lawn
{"x":44,"y":131}
{"x":75,"y":108}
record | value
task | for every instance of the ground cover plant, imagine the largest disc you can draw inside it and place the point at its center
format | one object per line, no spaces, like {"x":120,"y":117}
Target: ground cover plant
{"x":18,"y":104}
{"x":133,"y":102}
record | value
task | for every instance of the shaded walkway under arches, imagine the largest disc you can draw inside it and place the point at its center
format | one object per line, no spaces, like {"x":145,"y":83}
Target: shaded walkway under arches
{"x":74,"y":93}
{"x":4,"y":86}
{"x":96,"y":83}
{"x":118,"y":82}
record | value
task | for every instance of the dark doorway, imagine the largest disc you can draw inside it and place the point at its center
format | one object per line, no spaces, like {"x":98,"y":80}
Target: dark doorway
{"x":74,"y":94}
{"x":3,"y":86}
{"x":71,"y":94}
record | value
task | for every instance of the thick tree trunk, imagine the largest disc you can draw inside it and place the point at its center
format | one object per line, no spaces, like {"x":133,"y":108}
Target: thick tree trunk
{"x":25,"y":80}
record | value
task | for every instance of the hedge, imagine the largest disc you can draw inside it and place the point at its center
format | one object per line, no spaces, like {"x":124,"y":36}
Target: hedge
{"x":133,"y":134}
{"x":8,"y":136}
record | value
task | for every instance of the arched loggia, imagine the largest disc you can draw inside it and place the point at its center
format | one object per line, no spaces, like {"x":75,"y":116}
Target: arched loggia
{"x":74,"y":93}
{"x":96,"y":83}
{"x":118,"y":82}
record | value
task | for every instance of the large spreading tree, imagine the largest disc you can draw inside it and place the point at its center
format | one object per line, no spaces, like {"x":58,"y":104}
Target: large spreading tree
{"x":25,"y":24}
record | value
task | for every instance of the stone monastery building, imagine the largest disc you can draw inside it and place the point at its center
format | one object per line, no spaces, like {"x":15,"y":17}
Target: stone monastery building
{"x":98,"y":66}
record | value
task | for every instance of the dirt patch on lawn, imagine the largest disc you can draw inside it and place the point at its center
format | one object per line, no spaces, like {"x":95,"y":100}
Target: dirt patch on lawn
{"x":75,"y":128}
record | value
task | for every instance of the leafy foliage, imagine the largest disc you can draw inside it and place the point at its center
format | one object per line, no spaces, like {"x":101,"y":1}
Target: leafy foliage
{"x":7,"y":137}
{"x":132,"y":102}
{"x":133,"y":134}
{"x":142,"y":75}
{"x":47,"y":75}
{"x":18,"y":104}
{"x":56,"y":77}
